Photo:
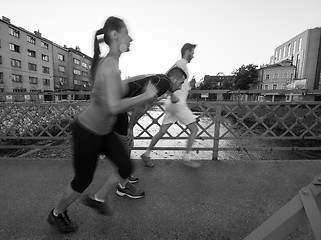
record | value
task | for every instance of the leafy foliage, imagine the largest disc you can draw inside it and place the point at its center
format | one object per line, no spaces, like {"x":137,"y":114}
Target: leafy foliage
{"x":244,"y":76}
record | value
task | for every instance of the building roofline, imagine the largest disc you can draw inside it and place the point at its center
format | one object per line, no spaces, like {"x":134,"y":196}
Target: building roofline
{"x":42,"y":38}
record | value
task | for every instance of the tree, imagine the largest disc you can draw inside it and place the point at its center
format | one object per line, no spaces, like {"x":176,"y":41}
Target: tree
{"x":244,"y":76}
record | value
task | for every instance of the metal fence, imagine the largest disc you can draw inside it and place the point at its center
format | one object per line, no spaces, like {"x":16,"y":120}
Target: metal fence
{"x":39,"y":125}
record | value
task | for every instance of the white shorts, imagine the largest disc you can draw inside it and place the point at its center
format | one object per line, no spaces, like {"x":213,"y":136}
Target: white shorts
{"x":178,"y":112}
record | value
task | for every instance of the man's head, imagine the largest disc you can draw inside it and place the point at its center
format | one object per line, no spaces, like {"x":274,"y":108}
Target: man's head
{"x":187,"y":51}
{"x":177,"y":76}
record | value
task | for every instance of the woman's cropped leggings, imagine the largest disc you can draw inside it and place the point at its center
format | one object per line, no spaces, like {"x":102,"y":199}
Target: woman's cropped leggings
{"x":87,"y":147}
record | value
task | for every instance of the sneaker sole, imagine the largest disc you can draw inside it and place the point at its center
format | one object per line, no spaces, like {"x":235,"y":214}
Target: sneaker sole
{"x":133,"y":181}
{"x":52,"y":223}
{"x":128,"y":195}
{"x":106,"y":212}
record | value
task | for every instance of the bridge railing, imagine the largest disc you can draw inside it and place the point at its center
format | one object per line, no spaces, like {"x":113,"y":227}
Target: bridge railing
{"x":224,"y":125}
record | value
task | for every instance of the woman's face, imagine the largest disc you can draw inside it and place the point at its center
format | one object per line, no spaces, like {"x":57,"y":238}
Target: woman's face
{"x":124,"y":40}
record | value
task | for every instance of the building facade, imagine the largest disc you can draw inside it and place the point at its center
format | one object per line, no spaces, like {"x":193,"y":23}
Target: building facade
{"x":296,"y":64}
{"x":304,"y":51}
{"x":31,"y":63}
{"x":277,"y":76}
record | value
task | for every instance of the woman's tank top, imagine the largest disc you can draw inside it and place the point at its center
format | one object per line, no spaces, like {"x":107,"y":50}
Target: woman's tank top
{"x":96,"y":117}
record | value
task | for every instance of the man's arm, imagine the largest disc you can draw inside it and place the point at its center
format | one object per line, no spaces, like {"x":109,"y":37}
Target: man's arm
{"x":174,"y":98}
{"x":138,"y":112}
{"x":192,"y":82}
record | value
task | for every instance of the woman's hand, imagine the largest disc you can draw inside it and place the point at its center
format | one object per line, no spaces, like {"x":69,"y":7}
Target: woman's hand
{"x":151,"y":91}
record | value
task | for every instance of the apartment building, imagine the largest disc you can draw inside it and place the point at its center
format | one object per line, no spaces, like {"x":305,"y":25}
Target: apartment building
{"x":79,"y":70}
{"x":295,"y":64}
{"x":32,"y":63}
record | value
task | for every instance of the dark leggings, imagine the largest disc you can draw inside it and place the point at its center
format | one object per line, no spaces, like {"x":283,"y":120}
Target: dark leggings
{"x":87,"y":147}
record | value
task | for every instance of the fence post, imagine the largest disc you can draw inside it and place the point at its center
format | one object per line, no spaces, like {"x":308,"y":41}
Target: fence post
{"x":217,"y":126}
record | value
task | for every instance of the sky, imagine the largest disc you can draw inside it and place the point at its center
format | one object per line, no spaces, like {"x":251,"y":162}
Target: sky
{"x":228,"y":33}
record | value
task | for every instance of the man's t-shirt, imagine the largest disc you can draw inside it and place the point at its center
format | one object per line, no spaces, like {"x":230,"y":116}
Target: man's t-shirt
{"x":182,"y":94}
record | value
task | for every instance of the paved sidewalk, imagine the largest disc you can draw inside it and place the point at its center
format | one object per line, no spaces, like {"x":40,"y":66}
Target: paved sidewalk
{"x":220,"y":200}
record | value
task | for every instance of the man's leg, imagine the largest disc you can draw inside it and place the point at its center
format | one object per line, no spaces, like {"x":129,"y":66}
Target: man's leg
{"x":185,"y":116}
{"x":146,"y":155}
{"x":125,"y":186}
{"x":191,"y":138}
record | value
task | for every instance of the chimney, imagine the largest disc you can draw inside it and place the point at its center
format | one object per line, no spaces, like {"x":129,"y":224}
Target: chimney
{"x":5,"y":19}
{"x":37,"y":33}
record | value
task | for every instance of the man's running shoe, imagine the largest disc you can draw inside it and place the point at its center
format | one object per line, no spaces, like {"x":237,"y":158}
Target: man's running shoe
{"x":187,"y":160}
{"x":147,"y":161}
{"x":100,"y":207}
{"x":132,"y":179}
{"x":62,"y":222}
{"x":130,"y":191}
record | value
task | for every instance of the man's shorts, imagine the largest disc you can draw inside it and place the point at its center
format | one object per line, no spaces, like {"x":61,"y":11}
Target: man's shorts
{"x":178,"y":112}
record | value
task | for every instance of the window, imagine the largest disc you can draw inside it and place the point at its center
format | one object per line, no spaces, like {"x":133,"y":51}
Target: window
{"x":291,"y":75}
{"x":31,"y":53}
{"x":85,"y":65}
{"x":77,"y":82}
{"x":84,"y":74}
{"x":16,"y":78}
{"x":275,"y":76}
{"x":15,"y":63}
{"x":289,"y":98}
{"x":45,"y":57}
{"x":33,"y":80}
{"x":31,"y":40}
{"x":0,"y":59}
{"x":14,"y":32}
{"x":76,"y":61}
{"x":294,"y":47}
{"x":61,"y":57}
{"x":14,"y":47}
{"x":35,"y":90}
{"x":274,"y":86}
{"x":1,"y":77}
{"x":289,"y":50}
{"x":46,"y":82}
{"x":1,"y":89}
{"x":44,"y":45}
{"x":45,"y":69}
{"x":285,"y":75}
{"x":61,"y":69}
{"x":267,"y":76}
{"x":62,"y":80}
{"x":266,"y":87}
{"x":32,"y":67}
{"x":77,"y":72}
{"x":19,"y":90}
{"x":300,"y":44}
